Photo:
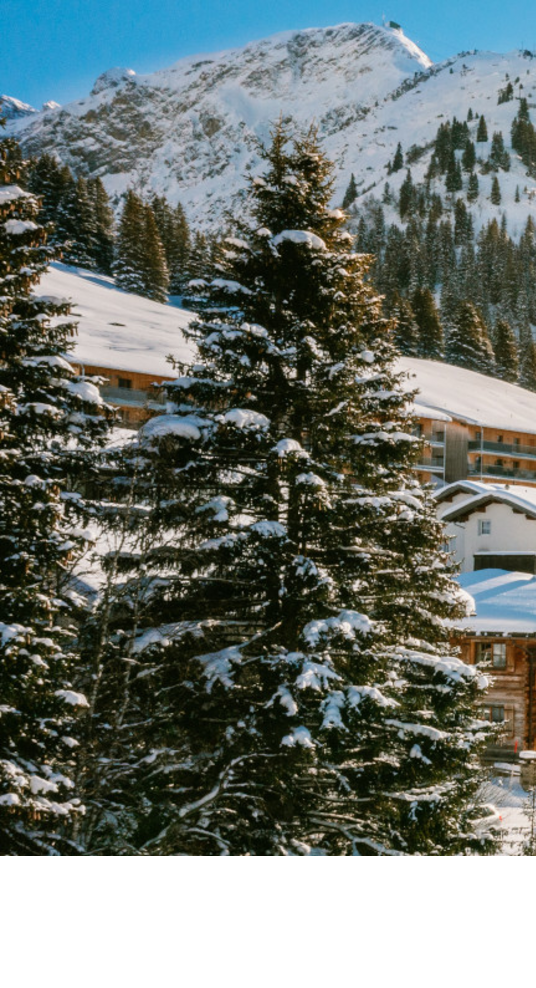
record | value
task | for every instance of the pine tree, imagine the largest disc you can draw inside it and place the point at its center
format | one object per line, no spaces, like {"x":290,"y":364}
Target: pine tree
{"x":104,"y":232}
{"x":49,"y":421}
{"x":472,"y":188}
{"x":468,"y":343}
{"x":398,"y":160}
{"x":495,"y":191}
{"x":140,"y":262}
{"x":129,"y":248}
{"x":469,"y":157}
{"x":527,"y":365}
{"x":351,"y":193}
{"x":429,"y":323}
{"x":154,"y":268}
{"x":482,"y":131}
{"x":407,"y":331}
{"x":505,"y":347}
{"x":288,"y":705}
{"x":498,"y":156}
{"x":407,"y":196}
{"x":454,"y":180}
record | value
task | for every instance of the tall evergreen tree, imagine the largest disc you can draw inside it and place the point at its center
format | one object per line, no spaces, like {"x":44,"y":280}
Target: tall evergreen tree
{"x":104,"y":227}
{"x":351,"y":193}
{"x":303,"y":696}
{"x":129,"y":247}
{"x":505,"y":347}
{"x":407,"y":331}
{"x":49,"y":420}
{"x":472,"y":188}
{"x":140,"y":262}
{"x":495,"y":191}
{"x":482,"y":131}
{"x":154,"y":268}
{"x":429,"y":323}
{"x":468,"y":343}
{"x":527,"y":365}
{"x":398,"y":160}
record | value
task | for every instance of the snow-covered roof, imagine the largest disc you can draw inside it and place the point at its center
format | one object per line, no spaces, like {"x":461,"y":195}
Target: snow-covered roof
{"x":470,"y":397}
{"x":504,"y":602}
{"x":425,"y":412}
{"x":117,"y":329}
{"x":128,"y":332}
{"x":519,"y":499}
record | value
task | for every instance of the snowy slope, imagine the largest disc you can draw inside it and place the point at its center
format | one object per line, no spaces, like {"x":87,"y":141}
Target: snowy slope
{"x":116,"y":329}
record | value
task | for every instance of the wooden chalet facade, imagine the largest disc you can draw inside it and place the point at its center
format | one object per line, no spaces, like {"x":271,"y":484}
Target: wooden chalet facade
{"x":510,"y":701}
{"x":135,"y":394}
{"x":500,"y":635}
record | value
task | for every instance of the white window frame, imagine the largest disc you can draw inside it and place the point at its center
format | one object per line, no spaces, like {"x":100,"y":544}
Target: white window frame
{"x":484,"y":526}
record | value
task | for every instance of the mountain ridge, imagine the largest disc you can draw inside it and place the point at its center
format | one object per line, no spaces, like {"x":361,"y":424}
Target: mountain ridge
{"x":191,"y":131}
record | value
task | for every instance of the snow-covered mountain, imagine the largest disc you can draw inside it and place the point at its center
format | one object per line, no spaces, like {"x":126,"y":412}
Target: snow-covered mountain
{"x":190,"y":131}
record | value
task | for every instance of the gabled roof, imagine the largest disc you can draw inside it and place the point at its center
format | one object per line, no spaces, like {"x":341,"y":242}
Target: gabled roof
{"x":519,"y":496}
{"x":478,"y":502}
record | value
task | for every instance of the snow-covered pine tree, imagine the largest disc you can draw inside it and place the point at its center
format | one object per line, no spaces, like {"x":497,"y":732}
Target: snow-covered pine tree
{"x":103,"y":244}
{"x":468,"y":342}
{"x":431,"y":341}
{"x":128,"y":262}
{"x":140,"y":262}
{"x":495,"y":195}
{"x":298,"y":689}
{"x":407,"y":334}
{"x":482,"y":131}
{"x":155,"y":269}
{"x":49,"y":421}
{"x":506,"y":356}
{"x":351,"y":193}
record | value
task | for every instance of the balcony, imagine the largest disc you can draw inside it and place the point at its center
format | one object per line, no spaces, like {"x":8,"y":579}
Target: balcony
{"x":500,"y":472}
{"x":433,"y":463}
{"x":506,"y":449}
{"x":434,"y":438}
{"x":132,"y":397}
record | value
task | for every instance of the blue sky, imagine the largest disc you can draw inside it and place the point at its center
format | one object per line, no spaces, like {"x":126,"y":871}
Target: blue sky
{"x":54,"y":49}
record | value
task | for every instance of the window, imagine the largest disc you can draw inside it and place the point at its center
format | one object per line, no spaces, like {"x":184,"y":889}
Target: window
{"x":478,"y":435}
{"x":516,"y":464}
{"x":124,"y":382}
{"x":500,"y":439}
{"x":493,"y":653}
{"x":498,"y":655}
{"x":499,"y":713}
{"x":484,"y":527}
{"x":516,"y":441}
